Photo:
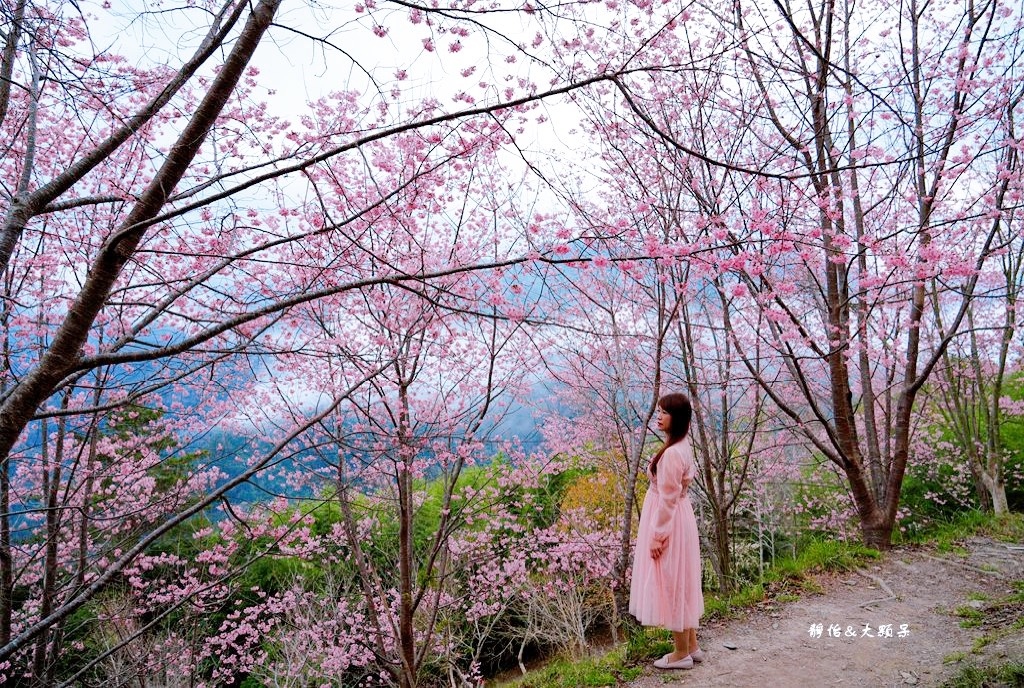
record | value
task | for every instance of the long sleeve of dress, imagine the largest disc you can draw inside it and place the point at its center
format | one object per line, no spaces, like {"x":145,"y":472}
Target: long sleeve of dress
{"x":675,"y":470}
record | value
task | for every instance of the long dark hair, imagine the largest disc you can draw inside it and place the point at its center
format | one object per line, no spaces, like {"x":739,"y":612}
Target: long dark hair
{"x":679,"y":411}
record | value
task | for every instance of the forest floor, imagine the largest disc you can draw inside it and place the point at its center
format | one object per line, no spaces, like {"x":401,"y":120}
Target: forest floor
{"x":928,"y":594}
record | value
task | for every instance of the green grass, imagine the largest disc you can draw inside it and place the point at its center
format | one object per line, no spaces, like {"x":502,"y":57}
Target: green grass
{"x":946,"y":536}
{"x":644,"y":643}
{"x":745,"y":597}
{"x":821,"y":555}
{"x":1000,"y":616}
{"x":1005,"y":527}
{"x":719,"y":606}
{"x":1009,"y":674}
{"x":971,"y":617}
{"x":609,"y":669}
{"x":981,"y":641}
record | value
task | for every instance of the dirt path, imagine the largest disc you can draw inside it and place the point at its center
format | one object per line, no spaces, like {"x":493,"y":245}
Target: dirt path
{"x":918,"y":588}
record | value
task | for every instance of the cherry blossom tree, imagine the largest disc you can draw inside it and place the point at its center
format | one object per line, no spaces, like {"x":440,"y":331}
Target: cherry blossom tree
{"x":165,"y":228}
{"x":421,"y":417}
{"x":969,"y":389}
{"x":852,"y":163}
{"x":605,"y":358}
{"x":654,"y":314}
{"x":352,"y":281}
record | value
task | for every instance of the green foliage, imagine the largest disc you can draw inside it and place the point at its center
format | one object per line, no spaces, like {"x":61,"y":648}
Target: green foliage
{"x":1004,"y":527}
{"x":823,"y":501}
{"x":971,"y":616}
{"x":716,"y":606}
{"x":980,"y":642}
{"x":428,"y":516}
{"x":273,"y":574}
{"x":748,"y":596}
{"x":831,"y":555}
{"x":1012,"y":433}
{"x":610,"y":669}
{"x":918,"y":496}
{"x":954,"y":657}
{"x":82,"y":628}
{"x":1005,"y":675}
{"x":642,"y":643}
{"x":183,"y":540}
{"x":325,"y":515}
{"x":940,"y":491}
{"x":946,"y":534}
{"x":140,"y":421}
{"x":819,"y":554}
{"x":430,"y":495}
{"x":551,"y":494}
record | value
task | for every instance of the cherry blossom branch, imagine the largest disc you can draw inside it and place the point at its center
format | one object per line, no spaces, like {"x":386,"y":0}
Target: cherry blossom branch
{"x":115,"y":568}
{"x":361,"y":141}
{"x":24,"y":207}
{"x":65,"y":348}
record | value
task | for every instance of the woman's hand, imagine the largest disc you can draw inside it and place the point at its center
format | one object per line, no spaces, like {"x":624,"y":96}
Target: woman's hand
{"x":656,"y":549}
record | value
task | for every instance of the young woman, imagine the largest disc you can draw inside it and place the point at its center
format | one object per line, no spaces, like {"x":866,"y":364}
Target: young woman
{"x":666,"y":586}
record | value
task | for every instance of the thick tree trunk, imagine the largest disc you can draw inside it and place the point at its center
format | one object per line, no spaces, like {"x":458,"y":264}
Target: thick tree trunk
{"x":6,"y":560}
{"x":66,"y":345}
{"x":877,"y":534}
{"x":985,"y":497}
{"x":13,"y":38}
{"x":995,"y":488}
{"x":876,"y":526}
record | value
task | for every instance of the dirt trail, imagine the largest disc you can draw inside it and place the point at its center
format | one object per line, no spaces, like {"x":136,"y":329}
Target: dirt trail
{"x":918,"y":588}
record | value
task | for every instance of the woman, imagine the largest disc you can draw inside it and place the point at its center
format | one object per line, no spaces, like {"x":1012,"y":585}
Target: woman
{"x":666,"y":585}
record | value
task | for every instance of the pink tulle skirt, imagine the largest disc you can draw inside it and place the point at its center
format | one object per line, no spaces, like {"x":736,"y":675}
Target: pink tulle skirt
{"x":667,"y":592}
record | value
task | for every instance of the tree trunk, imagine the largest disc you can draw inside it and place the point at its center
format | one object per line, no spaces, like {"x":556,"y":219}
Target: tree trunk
{"x":6,"y":559}
{"x":406,"y":553}
{"x":66,"y":344}
{"x":877,"y":534}
{"x":723,"y":553}
{"x":875,"y":523}
{"x":995,"y":488}
{"x":46,"y":643}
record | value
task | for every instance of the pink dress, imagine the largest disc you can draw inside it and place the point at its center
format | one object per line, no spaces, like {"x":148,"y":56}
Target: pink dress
{"x":667,"y":592}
